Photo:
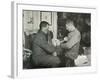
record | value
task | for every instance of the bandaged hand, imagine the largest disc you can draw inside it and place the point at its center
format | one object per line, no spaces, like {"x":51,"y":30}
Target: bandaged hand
{"x":56,"y":42}
{"x":65,"y":38}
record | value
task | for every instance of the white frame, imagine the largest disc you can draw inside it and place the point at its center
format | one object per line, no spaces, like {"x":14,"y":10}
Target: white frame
{"x":17,"y":70}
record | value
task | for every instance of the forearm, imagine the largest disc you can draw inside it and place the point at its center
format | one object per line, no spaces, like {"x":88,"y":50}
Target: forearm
{"x":70,"y":43}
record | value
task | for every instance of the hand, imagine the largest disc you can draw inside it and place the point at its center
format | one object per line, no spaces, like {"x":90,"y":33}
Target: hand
{"x":56,"y":42}
{"x":65,"y":38}
{"x":27,"y":52}
{"x":54,"y":54}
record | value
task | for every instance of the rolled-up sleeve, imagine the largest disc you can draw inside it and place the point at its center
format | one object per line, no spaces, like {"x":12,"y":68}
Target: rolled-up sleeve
{"x":70,"y":43}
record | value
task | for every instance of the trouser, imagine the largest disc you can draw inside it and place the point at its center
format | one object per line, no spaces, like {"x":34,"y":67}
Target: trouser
{"x":46,"y":61}
{"x":69,"y":62}
{"x":66,"y":61}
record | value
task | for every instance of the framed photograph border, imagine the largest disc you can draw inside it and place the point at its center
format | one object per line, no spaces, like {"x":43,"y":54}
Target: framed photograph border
{"x":16,"y":61}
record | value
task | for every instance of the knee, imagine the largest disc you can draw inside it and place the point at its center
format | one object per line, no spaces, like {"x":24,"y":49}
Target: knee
{"x":56,"y":62}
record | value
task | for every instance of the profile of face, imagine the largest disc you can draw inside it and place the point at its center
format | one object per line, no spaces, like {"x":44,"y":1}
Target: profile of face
{"x":46,"y":29}
{"x":70,"y":26}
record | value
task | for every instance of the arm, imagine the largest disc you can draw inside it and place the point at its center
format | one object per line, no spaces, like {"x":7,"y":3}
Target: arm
{"x":42,"y":42}
{"x":71,"y":42}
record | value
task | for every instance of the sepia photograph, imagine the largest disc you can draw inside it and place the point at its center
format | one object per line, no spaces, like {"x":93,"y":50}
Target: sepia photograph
{"x":52,"y":40}
{"x":55,"y":39}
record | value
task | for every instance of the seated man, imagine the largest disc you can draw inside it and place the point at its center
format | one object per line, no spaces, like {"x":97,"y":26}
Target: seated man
{"x":42,"y":50}
{"x":71,"y":46}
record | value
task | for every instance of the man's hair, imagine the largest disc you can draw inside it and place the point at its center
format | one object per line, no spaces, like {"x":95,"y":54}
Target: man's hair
{"x":69,"y":21}
{"x":43,"y":24}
